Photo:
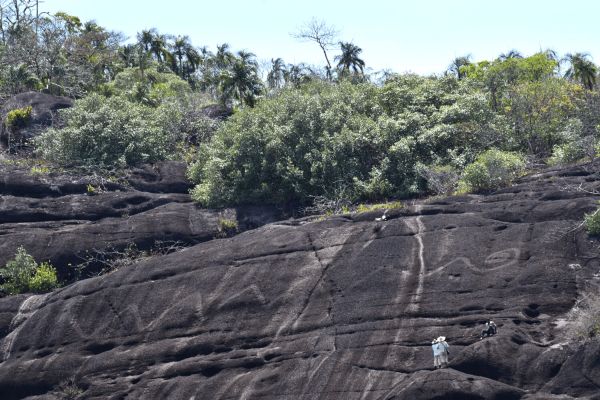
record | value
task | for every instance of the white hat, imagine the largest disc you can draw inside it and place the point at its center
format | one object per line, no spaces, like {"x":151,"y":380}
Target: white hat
{"x":441,"y":338}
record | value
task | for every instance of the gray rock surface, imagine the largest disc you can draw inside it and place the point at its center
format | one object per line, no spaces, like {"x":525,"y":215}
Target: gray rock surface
{"x":341,"y":308}
{"x":56,"y":218}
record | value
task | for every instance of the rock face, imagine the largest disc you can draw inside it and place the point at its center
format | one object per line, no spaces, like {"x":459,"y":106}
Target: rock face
{"x":56,"y":218}
{"x":44,"y":108}
{"x":343,"y":308}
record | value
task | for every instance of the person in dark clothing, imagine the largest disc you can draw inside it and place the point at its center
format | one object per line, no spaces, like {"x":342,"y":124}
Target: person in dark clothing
{"x":490,"y":329}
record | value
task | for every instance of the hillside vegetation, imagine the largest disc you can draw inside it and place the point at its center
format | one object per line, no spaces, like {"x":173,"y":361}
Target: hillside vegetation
{"x":304,"y":131}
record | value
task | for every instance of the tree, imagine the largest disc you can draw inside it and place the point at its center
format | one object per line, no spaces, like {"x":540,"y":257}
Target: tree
{"x":145,"y":38}
{"x":18,"y":79}
{"x":511,"y":54}
{"x":581,"y":69}
{"x":159,"y":48}
{"x":241,"y":81}
{"x":320,"y":33}
{"x":224,"y":57}
{"x":349,"y":59}
{"x":186,"y":55}
{"x":277,"y":74}
{"x":16,"y":15}
{"x":296,"y":74}
{"x":458,"y":65}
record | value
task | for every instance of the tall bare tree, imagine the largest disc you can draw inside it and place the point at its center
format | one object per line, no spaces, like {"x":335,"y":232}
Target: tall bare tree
{"x":322,"y":34}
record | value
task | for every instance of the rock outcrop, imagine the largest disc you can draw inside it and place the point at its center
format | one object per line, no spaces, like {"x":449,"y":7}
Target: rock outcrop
{"x":67,"y":219}
{"x":44,"y":108}
{"x":341,"y":308}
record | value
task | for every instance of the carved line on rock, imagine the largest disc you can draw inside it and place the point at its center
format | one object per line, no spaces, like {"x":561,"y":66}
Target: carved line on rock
{"x":26,"y":310}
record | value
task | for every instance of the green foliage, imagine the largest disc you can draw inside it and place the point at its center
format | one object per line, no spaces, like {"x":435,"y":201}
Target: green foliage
{"x":493,"y":169}
{"x":107,"y":132}
{"x":361,"y":208}
{"x":19,"y":117}
{"x":540,"y":112}
{"x":499,"y":75}
{"x":304,"y":142}
{"x":183,"y":118}
{"x":39,"y":170}
{"x":227,"y":227}
{"x":441,"y":179}
{"x":150,"y":86}
{"x":44,"y":279}
{"x":23,"y":274}
{"x":592,"y":223}
{"x":567,"y":153}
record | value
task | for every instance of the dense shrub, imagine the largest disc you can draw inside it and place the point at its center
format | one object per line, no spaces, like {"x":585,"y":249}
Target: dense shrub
{"x":441,"y":179}
{"x":18,"y":118}
{"x":493,"y":169}
{"x":103,"y":131}
{"x":23,"y":274}
{"x":150,"y":87}
{"x":576,"y":144}
{"x":184,"y":117}
{"x":305,"y":142}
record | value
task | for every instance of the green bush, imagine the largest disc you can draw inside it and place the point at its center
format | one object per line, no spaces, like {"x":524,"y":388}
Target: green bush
{"x":592,"y":223}
{"x":493,"y":169}
{"x":19,"y":117}
{"x":23,"y":274}
{"x":107,"y":132}
{"x":441,"y":179}
{"x":227,"y":227}
{"x":44,"y":279}
{"x":151,"y":87}
{"x":303,"y":142}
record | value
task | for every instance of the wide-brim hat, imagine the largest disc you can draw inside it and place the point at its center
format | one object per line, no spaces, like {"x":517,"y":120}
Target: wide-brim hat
{"x":441,"y":338}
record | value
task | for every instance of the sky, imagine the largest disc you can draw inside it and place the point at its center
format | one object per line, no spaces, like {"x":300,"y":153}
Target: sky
{"x":420,"y":36}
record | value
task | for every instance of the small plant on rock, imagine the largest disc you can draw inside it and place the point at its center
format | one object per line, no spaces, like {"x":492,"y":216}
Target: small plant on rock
{"x":584,"y":318}
{"x":592,"y":223}
{"x":227,"y":227}
{"x":361,"y":208}
{"x":69,"y":390}
{"x":39,"y":170}
{"x":18,"y":118}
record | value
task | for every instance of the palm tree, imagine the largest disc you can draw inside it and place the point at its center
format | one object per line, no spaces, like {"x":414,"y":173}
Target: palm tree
{"x":457,"y":65}
{"x":241,"y":81}
{"x":295,"y":74}
{"x":224,"y":57}
{"x":19,"y":78}
{"x":182,"y":49}
{"x":128,"y":54}
{"x":276,"y":77}
{"x":159,"y":48}
{"x":581,"y":69}
{"x":145,"y":38}
{"x":349,"y":59}
{"x":510,"y":55}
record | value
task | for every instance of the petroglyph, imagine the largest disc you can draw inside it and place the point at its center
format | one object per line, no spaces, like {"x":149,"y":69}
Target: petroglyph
{"x":495,"y":261}
{"x":414,"y":301}
{"x":26,"y":310}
